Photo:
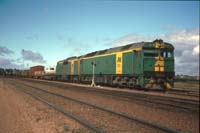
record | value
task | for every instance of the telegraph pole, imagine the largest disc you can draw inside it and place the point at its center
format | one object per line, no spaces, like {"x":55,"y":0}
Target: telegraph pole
{"x":93,"y":68}
{"x":23,"y":57}
{"x":27,"y":65}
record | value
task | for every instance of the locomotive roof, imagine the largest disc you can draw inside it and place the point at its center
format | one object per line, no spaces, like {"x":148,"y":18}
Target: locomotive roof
{"x":130,"y":46}
{"x":141,"y":45}
{"x":37,"y":66}
{"x":61,"y":61}
{"x":115,"y":49}
{"x":73,"y":57}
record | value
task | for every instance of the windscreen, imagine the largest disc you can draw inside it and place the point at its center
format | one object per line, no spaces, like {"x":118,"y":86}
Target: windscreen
{"x":156,"y":53}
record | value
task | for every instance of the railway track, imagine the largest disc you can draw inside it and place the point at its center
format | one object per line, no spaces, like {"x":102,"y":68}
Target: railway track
{"x":38,"y":94}
{"x":155,"y":100}
{"x":184,"y":92}
{"x":83,"y":122}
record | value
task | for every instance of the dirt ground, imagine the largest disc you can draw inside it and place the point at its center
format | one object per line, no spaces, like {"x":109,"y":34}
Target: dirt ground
{"x":179,"y":120}
{"x":20,"y":113}
{"x":187,"y":85}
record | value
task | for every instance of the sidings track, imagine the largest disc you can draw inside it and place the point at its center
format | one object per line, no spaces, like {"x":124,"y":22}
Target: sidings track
{"x":156,"y":100}
{"x":184,"y":92}
{"x":86,"y":124}
{"x":83,"y":122}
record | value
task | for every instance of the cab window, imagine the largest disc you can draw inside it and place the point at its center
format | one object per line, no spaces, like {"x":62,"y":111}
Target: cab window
{"x":169,"y":54}
{"x":166,"y":54}
{"x":151,"y":53}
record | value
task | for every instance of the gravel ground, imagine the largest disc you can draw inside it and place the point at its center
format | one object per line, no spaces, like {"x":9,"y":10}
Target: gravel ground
{"x":184,"y":121}
{"x":187,"y":85}
{"x":156,"y":93}
{"x":19,"y":113}
{"x":101,"y":119}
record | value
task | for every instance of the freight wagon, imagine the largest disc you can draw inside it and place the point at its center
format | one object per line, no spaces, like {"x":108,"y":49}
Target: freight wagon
{"x":144,"y":64}
{"x":49,"y":74}
{"x":24,"y":73}
{"x":36,"y":71}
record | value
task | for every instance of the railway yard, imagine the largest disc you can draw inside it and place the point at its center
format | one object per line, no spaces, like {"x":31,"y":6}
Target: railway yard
{"x":99,"y":67}
{"x":29,"y":105}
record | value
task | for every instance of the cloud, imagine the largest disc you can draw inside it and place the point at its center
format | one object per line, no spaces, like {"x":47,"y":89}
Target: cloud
{"x":185,"y":36}
{"x":61,"y":37}
{"x":32,"y":37}
{"x":106,"y":39}
{"x":130,"y":38}
{"x":5,"y":51}
{"x":185,"y":41}
{"x":82,"y":49}
{"x":101,"y":40}
{"x":196,"y":50}
{"x":8,"y":63}
{"x":76,"y":47}
{"x":32,"y":56}
{"x":186,"y":44}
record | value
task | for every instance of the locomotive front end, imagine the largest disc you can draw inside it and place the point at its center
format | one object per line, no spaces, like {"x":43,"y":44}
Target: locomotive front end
{"x":158,"y":65}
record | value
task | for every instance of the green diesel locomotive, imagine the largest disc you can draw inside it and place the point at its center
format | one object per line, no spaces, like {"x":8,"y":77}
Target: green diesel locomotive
{"x":143,"y":64}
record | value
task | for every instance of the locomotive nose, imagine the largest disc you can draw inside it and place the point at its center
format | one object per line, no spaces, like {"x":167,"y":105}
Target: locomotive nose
{"x":159,"y":64}
{"x":158,"y":83}
{"x":167,"y":85}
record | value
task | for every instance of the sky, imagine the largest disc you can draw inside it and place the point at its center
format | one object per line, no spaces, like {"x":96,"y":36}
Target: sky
{"x":42,"y":32}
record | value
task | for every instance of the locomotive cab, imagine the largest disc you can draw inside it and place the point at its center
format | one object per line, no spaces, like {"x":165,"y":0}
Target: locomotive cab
{"x":158,"y":65}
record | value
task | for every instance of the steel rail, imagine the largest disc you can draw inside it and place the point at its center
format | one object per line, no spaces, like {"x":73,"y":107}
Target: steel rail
{"x":162,"y":101}
{"x":184,"y":92}
{"x":173,"y":99}
{"x":172,"y":102}
{"x":86,"y":124}
{"x":144,"y":122}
